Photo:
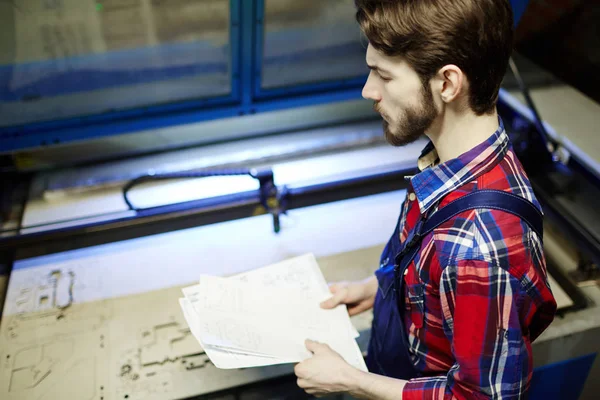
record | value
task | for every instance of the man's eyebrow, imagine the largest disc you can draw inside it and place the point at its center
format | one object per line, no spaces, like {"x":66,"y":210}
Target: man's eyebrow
{"x":379,"y":69}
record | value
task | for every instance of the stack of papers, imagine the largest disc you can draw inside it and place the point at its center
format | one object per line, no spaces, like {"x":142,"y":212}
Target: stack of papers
{"x":264,"y":316}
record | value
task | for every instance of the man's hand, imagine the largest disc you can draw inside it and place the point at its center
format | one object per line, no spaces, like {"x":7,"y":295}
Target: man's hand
{"x":358,"y":296}
{"x":326,"y":372}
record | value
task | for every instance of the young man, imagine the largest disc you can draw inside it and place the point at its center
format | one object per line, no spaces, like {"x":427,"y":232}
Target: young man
{"x":457,"y":307}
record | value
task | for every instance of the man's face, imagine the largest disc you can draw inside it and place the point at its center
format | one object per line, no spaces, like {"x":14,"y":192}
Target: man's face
{"x":405,"y":104}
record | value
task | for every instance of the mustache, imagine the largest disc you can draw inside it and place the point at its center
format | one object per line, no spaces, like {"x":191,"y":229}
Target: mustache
{"x":377,"y":107}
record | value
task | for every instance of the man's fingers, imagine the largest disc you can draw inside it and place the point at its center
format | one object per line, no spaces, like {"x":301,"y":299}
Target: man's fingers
{"x":332,"y":302}
{"x":360,"y":307}
{"x":335,"y":288}
{"x":299,"y":370}
{"x":339,"y":293}
{"x":313,"y":346}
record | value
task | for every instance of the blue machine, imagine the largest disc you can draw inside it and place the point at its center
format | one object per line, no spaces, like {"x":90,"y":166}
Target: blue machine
{"x":249,"y":64}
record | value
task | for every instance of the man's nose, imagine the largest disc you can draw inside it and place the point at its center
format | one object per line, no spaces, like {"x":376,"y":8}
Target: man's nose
{"x":370,"y":91}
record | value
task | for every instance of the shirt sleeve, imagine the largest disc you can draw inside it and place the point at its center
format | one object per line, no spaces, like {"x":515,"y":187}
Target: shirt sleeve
{"x":482,"y":319}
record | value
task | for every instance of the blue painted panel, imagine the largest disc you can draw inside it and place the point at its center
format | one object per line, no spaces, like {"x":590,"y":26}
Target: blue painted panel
{"x":563,"y":380}
{"x":257,"y":50}
{"x":248,"y":20}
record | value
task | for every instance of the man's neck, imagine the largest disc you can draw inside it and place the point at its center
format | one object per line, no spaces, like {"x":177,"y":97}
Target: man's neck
{"x":454,"y":134}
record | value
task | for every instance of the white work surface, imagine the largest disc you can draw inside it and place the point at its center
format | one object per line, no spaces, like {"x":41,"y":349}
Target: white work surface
{"x":124,"y":335}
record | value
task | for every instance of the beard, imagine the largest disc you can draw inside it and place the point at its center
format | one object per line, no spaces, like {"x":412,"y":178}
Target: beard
{"x":413,"y":124}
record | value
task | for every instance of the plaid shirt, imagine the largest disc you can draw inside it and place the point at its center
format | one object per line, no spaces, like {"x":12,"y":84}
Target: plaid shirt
{"x":477,"y":294}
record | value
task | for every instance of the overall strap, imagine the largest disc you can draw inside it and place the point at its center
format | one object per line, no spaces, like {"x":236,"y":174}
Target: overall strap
{"x":486,"y":198}
{"x":492,"y":199}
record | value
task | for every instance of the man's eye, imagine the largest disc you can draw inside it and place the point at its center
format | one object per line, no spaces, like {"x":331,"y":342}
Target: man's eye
{"x":383,"y":78}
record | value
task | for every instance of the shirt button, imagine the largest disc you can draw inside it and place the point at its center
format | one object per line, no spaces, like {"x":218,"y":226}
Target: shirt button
{"x":412,"y":196}
{"x":405,"y":271}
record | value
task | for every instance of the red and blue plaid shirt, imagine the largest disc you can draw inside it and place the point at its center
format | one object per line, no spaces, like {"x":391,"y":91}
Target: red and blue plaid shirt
{"x":477,"y":295}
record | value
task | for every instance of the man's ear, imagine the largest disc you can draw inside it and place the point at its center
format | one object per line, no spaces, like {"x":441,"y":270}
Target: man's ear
{"x":451,"y":83}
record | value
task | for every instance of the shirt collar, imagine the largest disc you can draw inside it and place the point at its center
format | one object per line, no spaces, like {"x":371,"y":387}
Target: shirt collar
{"x":436,"y":181}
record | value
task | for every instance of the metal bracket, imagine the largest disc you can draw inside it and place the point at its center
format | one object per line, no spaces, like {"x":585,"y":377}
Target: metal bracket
{"x":270,"y":197}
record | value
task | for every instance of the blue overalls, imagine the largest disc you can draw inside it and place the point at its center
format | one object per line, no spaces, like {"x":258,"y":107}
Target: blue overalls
{"x":388,"y":352}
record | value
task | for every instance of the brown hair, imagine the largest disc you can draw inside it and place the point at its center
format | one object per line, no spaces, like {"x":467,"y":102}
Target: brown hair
{"x":475,"y":35}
